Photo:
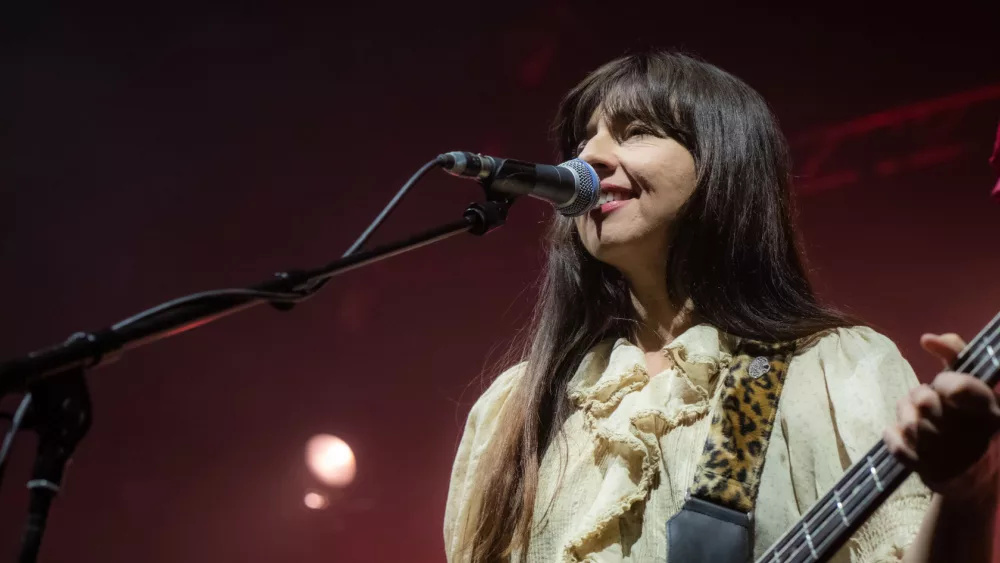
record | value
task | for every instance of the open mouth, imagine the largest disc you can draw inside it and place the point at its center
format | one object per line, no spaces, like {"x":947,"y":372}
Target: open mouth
{"x":614,"y":195}
{"x":611,"y":198}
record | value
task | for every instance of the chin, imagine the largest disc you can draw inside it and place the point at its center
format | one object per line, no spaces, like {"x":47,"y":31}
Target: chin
{"x":611,"y":252}
{"x":618,"y":242}
{"x":625,"y":249}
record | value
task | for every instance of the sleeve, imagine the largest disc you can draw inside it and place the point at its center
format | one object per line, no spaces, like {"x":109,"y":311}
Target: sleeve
{"x":480,"y":427}
{"x":841,"y":395}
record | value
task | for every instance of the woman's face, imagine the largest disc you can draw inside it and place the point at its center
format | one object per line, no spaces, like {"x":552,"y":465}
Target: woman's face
{"x":645,"y":179}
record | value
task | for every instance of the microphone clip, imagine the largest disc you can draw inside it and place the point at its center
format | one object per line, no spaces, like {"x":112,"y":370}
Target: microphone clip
{"x":484,"y":216}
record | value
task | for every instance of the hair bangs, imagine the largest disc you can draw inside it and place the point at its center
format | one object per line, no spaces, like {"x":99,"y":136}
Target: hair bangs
{"x":635,"y":91}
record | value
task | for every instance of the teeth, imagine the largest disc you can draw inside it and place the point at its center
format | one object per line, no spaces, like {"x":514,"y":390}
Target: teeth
{"x":608,"y":197}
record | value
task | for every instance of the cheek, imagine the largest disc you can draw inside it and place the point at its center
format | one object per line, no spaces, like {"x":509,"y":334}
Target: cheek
{"x":668,"y":187}
{"x":587,"y":231}
{"x":663,"y":206}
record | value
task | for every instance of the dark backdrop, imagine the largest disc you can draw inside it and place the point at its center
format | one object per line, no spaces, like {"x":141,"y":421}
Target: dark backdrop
{"x":149,"y":150}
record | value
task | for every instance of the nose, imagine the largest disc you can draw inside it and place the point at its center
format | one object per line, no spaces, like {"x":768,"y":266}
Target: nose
{"x":600,"y":152}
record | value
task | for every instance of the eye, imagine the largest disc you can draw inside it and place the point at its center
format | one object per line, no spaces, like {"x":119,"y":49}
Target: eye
{"x":638,"y":130}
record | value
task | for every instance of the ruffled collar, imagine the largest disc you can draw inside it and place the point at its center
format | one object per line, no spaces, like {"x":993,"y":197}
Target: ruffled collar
{"x":698,"y":353}
{"x":627,"y":412}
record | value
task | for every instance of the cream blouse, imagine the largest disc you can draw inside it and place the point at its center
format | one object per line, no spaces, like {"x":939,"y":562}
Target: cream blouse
{"x":627,"y":454}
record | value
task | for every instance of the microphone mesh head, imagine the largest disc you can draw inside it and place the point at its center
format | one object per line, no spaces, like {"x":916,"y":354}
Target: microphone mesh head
{"x":588,"y":188}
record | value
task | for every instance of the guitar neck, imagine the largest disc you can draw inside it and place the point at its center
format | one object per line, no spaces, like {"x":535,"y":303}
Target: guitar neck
{"x":870,"y":481}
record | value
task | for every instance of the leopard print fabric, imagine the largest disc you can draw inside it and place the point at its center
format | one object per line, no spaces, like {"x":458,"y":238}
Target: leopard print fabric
{"x":731,"y":463}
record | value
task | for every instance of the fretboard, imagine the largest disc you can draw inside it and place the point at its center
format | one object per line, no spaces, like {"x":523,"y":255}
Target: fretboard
{"x":867,"y":483}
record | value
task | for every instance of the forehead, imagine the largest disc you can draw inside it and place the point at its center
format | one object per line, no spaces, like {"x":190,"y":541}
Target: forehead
{"x":612,"y":117}
{"x":615,"y":102}
{"x":596,"y":117}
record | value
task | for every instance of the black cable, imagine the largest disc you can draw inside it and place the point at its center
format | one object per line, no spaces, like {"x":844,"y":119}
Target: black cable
{"x":207,"y":295}
{"x":438,"y":161}
{"x":392,"y":204}
{"x":15,"y":425}
{"x":298,"y":294}
{"x":291,"y":288}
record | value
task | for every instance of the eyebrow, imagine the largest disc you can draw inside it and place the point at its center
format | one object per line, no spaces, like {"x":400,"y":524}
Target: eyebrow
{"x":590,"y":126}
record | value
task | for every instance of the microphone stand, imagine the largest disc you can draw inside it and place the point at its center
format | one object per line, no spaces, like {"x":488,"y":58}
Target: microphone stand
{"x":53,"y":378}
{"x":60,"y":413}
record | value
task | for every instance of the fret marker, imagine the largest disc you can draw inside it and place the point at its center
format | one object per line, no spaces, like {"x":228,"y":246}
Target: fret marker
{"x":875,"y":475}
{"x":993,"y":356}
{"x":840,"y":507}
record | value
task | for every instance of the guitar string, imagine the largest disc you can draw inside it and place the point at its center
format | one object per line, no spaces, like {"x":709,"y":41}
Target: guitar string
{"x":823,"y":532}
{"x":890,"y":472}
{"x":801,"y":555}
{"x":859,"y":471}
{"x":982,"y":363}
{"x":780,"y":554}
{"x":826,"y":508}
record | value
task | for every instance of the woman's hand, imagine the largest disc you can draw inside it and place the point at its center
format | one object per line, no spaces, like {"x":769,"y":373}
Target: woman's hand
{"x":944,"y":429}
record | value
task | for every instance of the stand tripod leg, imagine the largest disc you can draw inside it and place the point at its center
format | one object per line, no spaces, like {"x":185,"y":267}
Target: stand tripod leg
{"x":60,"y":413}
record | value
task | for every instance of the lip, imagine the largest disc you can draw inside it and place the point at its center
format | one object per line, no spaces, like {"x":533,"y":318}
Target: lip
{"x":610,"y":206}
{"x":604,"y":209}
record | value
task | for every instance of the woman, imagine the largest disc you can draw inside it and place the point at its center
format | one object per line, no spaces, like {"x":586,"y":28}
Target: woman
{"x":583,"y":451}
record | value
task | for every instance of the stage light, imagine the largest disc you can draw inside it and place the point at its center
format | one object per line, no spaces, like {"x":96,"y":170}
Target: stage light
{"x":316,"y":501}
{"x":331,"y":460}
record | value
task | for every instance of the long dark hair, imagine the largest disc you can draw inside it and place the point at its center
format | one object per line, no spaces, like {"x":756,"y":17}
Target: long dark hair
{"x":733,"y":256}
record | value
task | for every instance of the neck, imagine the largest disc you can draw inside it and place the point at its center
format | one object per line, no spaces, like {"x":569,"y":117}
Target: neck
{"x":660,"y":321}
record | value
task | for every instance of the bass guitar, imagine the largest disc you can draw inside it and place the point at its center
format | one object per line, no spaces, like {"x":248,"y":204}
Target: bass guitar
{"x":870,"y":481}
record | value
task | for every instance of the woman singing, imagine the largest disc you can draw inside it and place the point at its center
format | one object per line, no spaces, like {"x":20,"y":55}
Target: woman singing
{"x":585,"y":450}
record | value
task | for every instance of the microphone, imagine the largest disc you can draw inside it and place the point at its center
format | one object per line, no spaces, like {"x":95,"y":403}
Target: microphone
{"x":572,"y":187}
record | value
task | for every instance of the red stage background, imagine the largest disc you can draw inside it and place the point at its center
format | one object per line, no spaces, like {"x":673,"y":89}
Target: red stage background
{"x":150,"y":150}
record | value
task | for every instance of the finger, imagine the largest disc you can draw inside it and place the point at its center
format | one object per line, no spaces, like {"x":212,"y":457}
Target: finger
{"x":944,"y":346}
{"x":906,"y":420}
{"x":898,"y":447}
{"x":960,"y":390}
{"x":927,"y":402}
{"x":918,"y":433}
